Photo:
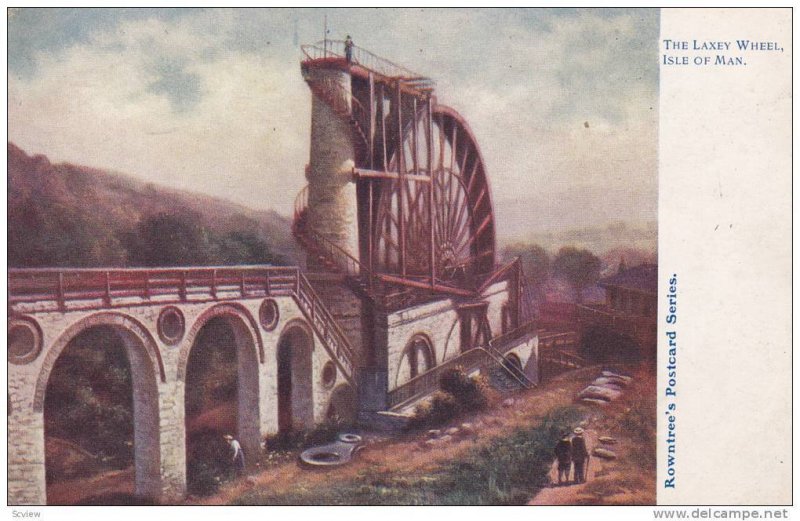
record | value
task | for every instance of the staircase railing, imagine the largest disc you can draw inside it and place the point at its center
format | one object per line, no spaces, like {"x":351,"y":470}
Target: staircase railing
{"x":343,"y":103}
{"x":102,"y":288}
{"x":300,"y":206}
{"x":562,"y":359}
{"x":333,"y":338}
{"x":475,"y":358}
{"x":366,"y":59}
{"x":338,"y":255}
{"x":428,"y":382}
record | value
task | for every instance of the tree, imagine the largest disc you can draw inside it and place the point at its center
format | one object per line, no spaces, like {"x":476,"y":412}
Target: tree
{"x":536,"y":264}
{"x":45,"y":232}
{"x":243,"y":247}
{"x":580,"y":267}
{"x":168,"y":240}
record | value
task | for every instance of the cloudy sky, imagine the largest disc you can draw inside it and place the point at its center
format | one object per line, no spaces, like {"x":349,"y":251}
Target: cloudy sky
{"x":563,"y":102}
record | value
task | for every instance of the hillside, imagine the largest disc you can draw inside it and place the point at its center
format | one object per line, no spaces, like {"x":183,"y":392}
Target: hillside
{"x":71,"y":215}
{"x":581,"y":218}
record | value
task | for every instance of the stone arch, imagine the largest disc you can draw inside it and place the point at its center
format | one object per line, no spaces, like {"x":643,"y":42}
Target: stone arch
{"x":513,"y":362}
{"x":418,"y":357}
{"x":227,"y":310}
{"x":145,"y":364}
{"x":343,"y":404}
{"x":295,"y":376}
{"x":249,"y":354}
{"x":116,"y":320}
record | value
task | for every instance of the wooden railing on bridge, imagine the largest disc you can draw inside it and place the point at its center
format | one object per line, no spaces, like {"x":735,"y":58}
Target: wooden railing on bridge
{"x":556,"y":362}
{"x":93,"y":288}
{"x":557,"y":340}
{"x":556,"y":353}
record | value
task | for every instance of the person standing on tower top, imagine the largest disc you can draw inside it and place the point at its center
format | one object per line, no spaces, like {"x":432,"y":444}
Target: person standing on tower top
{"x":348,"y":49}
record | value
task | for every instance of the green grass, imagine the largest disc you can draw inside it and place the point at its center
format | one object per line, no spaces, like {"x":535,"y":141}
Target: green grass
{"x":505,"y":471}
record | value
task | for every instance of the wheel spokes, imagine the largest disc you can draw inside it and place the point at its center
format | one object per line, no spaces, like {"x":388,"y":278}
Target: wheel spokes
{"x":458,"y":219}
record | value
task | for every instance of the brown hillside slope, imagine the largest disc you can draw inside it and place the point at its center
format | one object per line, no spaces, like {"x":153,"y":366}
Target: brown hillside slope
{"x":80,"y":200}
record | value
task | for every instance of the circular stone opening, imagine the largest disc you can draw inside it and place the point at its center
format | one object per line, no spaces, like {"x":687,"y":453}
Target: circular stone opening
{"x":171,"y":325}
{"x":350,"y":438}
{"x":268,"y":314}
{"x":328,"y":375}
{"x":24,"y":341}
{"x":325,"y":457}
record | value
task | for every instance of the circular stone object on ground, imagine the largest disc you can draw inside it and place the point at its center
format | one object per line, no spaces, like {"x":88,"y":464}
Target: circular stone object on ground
{"x":330,"y":455}
{"x":350,"y":438}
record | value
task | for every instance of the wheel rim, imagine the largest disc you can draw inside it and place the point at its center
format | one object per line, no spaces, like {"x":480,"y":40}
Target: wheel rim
{"x":463,"y":222}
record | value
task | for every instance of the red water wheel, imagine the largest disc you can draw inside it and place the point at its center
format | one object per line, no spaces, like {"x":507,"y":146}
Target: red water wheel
{"x":440,"y":154}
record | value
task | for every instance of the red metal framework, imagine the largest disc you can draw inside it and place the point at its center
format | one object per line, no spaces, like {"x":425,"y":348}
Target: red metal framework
{"x":435,"y":218}
{"x":425,"y":213}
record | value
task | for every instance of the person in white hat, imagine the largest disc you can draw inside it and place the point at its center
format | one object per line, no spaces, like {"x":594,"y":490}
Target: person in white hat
{"x":580,"y":456}
{"x":238,"y":453}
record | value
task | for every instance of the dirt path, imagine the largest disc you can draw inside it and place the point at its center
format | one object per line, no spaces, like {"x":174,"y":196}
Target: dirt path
{"x":627,"y":480}
{"x":571,"y":493}
{"x":75,"y":491}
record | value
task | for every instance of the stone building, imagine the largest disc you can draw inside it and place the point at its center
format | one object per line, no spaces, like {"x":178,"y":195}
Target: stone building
{"x":625,"y":325}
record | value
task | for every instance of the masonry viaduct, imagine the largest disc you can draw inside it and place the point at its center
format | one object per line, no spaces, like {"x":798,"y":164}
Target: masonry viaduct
{"x":158,"y":314}
{"x":274,"y":313}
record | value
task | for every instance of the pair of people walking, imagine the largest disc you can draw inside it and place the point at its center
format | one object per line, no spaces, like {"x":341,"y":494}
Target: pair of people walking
{"x":572,"y":452}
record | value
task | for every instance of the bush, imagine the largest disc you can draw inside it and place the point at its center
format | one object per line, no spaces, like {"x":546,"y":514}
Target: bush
{"x":209,"y":463}
{"x":471,"y":393}
{"x":440,"y":408}
{"x":459,"y":393}
{"x":202,"y":478}
{"x":325,"y":432}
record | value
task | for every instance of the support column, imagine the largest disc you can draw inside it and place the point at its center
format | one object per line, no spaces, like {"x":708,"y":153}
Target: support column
{"x":399,"y":152}
{"x":26,"y":471}
{"x":172,"y":441}
{"x":26,"y":476}
{"x":332,"y":201}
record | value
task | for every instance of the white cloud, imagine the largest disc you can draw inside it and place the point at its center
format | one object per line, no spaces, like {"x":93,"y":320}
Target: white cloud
{"x":213,"y":101}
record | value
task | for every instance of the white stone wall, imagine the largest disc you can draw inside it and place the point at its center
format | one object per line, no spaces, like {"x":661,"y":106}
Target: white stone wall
{"x":26,"y":469}
{"x":437,"y":320}
{"x":497,"y":296}
{"x":527,"y":350}
{"x":332,"y":203}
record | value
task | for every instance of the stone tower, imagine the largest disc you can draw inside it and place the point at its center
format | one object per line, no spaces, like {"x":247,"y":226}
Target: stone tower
{"x":332,"y":202}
